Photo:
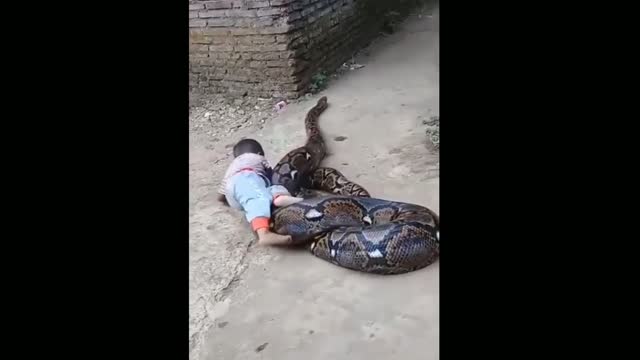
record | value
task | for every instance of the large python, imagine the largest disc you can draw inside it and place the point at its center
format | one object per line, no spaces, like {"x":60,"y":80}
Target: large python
{"x":343,"y":223}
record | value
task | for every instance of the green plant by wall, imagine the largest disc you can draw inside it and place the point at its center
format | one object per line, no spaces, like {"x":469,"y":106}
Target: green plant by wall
{"x":319,"y":82}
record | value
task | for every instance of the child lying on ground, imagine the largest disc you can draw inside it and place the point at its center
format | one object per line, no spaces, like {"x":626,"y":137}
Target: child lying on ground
{"x":247,"y":186}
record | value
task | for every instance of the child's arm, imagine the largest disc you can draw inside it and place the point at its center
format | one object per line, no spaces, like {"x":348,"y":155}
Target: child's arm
{"x":268,"y":170}
{"x":221,"y":195}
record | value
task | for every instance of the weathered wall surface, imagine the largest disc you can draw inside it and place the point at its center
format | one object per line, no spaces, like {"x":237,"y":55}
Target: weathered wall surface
{"x":273,"y":48}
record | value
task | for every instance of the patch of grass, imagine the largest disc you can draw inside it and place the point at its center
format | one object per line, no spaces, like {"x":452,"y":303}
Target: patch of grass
{"x":319,"y":82}
{"x":433,"y":131}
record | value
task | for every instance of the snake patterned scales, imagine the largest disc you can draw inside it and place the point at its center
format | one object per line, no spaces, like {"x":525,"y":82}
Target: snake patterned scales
{"x":344,"y":225}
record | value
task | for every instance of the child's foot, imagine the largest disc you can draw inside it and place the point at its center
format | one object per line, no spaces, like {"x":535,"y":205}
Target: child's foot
{"x":285,"y":200}
{"x":266,"y":237}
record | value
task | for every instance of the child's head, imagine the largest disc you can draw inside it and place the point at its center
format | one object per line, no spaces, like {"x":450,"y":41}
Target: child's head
{"x":245,"y":146}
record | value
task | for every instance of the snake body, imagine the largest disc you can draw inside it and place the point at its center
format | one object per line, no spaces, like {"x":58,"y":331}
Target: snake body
{"x":343,"y":223}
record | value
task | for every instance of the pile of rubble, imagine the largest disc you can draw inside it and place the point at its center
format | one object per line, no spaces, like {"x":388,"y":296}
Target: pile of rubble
{"x":217,"y":116}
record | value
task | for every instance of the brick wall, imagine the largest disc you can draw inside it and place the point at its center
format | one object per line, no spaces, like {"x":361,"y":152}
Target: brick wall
{"x":273,"y":47}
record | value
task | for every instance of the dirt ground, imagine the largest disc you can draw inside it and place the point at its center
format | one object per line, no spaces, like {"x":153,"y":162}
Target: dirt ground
{"x":251,"y":302}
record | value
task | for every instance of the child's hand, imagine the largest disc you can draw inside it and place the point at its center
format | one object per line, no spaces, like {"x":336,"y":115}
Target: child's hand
{"x":268,"y":172}
{"x":222,"y":199}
